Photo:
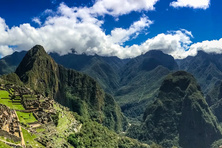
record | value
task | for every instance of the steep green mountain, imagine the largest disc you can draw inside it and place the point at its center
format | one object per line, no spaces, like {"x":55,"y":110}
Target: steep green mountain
{"x":103,"y":69}
{"x":79,"y":62}
{"x":9,"y":63}
{"x":133,"y":82}
{"x":78,"y":91}
{"x":140,"y":80}
{"x":146,"y":62}
{"x":207,"y":68}
{"x":180,"y":116}
{"x":216,"y":101}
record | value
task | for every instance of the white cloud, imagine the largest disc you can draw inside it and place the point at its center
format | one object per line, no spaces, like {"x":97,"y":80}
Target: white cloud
{"x":120,"y":35}
{"x":196,"y":4}
{"x":70,"y":28}
{"x":214,"y":46}
{"x":77,"y":28}
{"x":37,"y":20}
{"x":5,"y":50}
{"x":120,"y":7}
{"x":174,"y":43}
{"x":48,"y":12}
{"x":80,"y":29}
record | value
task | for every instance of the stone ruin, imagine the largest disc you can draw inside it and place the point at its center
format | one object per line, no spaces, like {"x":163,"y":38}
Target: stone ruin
{"x":47,"y":104}
{"x":43,"y":117}
{"x":40,"y":106}
{"x":14,"y":124}
{"x":30,"y":104}
{"x":9,"y":124}
{"x":43,"y":114}
{"x":5,"y":113}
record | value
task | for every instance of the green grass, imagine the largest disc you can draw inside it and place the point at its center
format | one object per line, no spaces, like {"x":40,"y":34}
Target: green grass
{"x":4,"y":94}
{"x":63,"y":122}
{"x":3,"y":145}
{"x":11,"y":90}
{"x":8,"y":102}
{"x":39,"y":130}
{"x":25,"y":118}
{"x":9,"y":140}
{"x":29,"y":139}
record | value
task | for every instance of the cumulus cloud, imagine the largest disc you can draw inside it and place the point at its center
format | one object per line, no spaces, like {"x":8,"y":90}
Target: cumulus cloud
{"x":174,"y":43}
{"x":120,"y":35}
{"x":70,"y":28}
{"x":196,"y":4}
{"x":5,"y":50}
{"x":80,"y":29}
{"x":214,"y":46}
{"x":120,"y":7}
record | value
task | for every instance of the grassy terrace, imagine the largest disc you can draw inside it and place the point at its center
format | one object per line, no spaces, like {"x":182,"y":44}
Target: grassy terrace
{"x":26,"y":117}
{"x":30,"y":139}
{"x":64,"y":122}
{"x":23,"y":117}
{"x":39,"y":130}
{"x":8,"y":102}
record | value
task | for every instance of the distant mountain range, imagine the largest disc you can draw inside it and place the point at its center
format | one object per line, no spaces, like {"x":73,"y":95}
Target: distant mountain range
{"x":164,"y":104}
{"x":9,"y":63}
{"x":134,"y":82}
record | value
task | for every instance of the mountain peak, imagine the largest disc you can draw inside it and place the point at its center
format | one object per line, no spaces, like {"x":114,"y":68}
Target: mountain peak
{"x":79,"y":92}
{"x":37,"y":50}
{"x":35,"y":60}
{"x":154,"y":52}
{"x":181,"y":110}
{"x":179,"y":79}
{"x":154,"y":58}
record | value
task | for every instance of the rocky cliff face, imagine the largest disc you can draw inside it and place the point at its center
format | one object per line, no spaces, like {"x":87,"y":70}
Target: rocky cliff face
{"x":103,"y":69}
{"x":39,"y":71}
{"x":71,"y":88}
{"x":180,"y":116}
{"x":207,"y":69}
{"x":216,"y":105}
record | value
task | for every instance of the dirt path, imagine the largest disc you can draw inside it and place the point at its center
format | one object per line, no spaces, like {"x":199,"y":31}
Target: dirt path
{"x":11,"y":144}
{"x":35,"y":125}
{"x":20,"y":129}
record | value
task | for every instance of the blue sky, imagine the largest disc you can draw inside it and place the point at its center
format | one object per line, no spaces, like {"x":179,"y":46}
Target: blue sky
{"x":125,"y":28}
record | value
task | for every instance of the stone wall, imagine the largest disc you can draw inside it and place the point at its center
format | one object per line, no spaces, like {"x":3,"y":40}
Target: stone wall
{"x":9,"y":136}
